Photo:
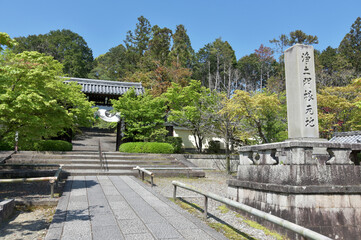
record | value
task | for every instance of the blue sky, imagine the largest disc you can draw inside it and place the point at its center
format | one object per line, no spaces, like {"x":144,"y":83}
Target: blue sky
{"x":244,"y":24}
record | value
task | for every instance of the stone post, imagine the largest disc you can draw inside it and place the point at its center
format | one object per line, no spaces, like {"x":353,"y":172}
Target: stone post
{"x":301,"y":93}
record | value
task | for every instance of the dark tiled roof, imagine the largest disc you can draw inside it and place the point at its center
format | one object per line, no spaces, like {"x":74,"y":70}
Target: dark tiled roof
{"x":106,"y":87}
{"x":347,"y":137}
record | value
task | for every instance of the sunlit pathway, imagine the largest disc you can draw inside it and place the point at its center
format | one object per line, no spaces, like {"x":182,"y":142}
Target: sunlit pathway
{"x":121,"y":207}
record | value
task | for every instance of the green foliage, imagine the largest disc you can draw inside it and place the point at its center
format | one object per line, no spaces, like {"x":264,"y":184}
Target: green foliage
{"x":176,"y":142}
{"x":191,"y":107}
{"x":339,"y":109}
{"x":6,"y":40}
{"x":214,"y":147}
{"x":34,"y":100}
{"x":146,"y":147}
{"x":53,"y":145}
{"x":5,"y":146}
{"x":333,"y":69}
{"x":67,"y":47}
{"x":159,"y":45}
{"x":182,"y":51}
{"x":262,"y":116}
{"x":350,"y":46}
{"x":213,"y":63}
{"x":112,"y":65}
{"x":143,"y":114}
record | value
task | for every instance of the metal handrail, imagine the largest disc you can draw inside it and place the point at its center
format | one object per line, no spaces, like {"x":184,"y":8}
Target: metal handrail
{"x":141,"y":172}
{"x":101,"y":157}
{"x":51,"y":180}
{"x":2,"y":161}
{"x":253,"y":211}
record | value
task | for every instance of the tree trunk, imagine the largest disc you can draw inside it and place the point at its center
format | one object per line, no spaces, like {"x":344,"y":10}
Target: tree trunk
{"x":209,"y":76}
{"x":217,"y":74}
{"x":228,"y":159}
{"x":229,"y":82}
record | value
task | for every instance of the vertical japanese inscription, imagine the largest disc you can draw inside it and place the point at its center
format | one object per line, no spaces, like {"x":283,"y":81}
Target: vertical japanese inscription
{"x":301,"y":92}
{"x":308,"y":95}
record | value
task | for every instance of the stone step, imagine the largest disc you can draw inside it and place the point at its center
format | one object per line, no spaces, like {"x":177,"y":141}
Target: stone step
{"x":88,"y":156}
{"x":165,"y":173}
{"x":92,"y":172}
{"x":112,"y":166}
{"x":90,"y":161}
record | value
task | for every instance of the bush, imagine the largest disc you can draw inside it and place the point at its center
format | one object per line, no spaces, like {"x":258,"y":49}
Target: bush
{"x":53,"y":145}
{"x":176,"y":142}
{"x":146,"y":147}
{"x":5,"y":146}
{"x":214,"y":147}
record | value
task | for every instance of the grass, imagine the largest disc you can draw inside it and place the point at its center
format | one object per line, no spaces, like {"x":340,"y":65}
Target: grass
{"x":223,"y":209}
{"x":221,"y":226}
{"x":230,"y":232}
{"x":256,"y":225}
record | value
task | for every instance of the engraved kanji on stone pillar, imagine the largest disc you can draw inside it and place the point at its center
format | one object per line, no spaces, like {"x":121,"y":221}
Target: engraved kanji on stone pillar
{"x":301,"y":92}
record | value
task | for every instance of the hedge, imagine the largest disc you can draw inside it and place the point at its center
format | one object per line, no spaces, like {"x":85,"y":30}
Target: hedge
{"x":146,"y":147}
{"x":53,"y":145}
{"x":176,"y":142}
{"x":4,"y":146}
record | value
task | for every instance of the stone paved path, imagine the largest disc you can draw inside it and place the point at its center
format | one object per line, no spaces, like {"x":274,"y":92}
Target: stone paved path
{"x":121,"y":207}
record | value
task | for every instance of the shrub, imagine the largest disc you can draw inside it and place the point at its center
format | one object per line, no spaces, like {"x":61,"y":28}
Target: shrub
{"x":5,"y":146}
{"x":176,"y":142}
{"x":146,"y":147}
{"x":214,"y":147}
{"x":53,"y":145}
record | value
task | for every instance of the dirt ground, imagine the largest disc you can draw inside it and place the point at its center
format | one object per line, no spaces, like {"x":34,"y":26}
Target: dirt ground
{"x":33,"y":213}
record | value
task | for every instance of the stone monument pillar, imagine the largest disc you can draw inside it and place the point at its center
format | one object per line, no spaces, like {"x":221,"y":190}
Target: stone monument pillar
{"x":301,"y":93}
{"x":305,"y":180}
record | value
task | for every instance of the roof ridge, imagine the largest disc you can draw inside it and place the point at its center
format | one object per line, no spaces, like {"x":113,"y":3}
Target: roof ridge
{"x":103,"y":81}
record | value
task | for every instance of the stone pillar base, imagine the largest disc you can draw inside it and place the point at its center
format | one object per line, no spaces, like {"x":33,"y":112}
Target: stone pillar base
{"x":326,"y":199}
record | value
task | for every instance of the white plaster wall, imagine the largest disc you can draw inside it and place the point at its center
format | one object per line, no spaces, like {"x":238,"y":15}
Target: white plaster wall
{"x":189,"y":141}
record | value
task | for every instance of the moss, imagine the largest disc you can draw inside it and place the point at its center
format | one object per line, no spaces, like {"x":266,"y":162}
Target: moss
{"x":238,"y":215}
{"x":223,"y":209}
{"x":190,"y":207}
{"x":256,"y":225}
{"x":230,"y":232}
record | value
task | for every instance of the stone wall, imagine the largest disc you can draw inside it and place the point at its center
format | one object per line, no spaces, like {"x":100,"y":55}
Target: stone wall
{"x":218,"y":162}
{"x":322,"y":193}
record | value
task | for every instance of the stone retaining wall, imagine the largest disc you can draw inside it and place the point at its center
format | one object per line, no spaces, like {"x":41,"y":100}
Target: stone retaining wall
{"x":218,"y":162}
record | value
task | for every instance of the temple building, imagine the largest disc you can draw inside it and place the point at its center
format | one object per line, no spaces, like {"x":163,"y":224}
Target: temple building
{"x":102,"y":91}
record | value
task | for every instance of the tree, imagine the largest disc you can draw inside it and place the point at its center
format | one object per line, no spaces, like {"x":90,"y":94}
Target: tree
{"x":302,"y":38}
{"x":111,"y":65}
{"x":278,"y":79}
{"x":6,"y":41}
{"x":143,"y":115}
{"x":215,"y":62}
{"x":182,"y":51}
{"x":333,"y":69}
{"x":262,"y":115}
{"x":159,"y":45}
{"x":339,"y":109}
{"x":34,"y":100}
{"x":226,"y":125}
{"x":265,"y":61}
{"x":350,"y":46}
{"x":67,"y":47}
{"x":139,"y":40}
{"x":192,"y":107}
{"x":249,"y":71}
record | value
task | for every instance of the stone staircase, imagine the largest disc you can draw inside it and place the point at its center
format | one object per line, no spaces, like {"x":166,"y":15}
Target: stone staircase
{"x":81,"y":163}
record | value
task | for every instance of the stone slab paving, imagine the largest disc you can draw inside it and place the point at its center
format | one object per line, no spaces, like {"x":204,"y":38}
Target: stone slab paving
{"x":121,"y":207}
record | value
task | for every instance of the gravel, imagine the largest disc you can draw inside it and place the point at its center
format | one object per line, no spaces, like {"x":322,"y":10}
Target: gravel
{"x":27,"y":223}
{"x":34,"y":210}
{"x":214,"y":182}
